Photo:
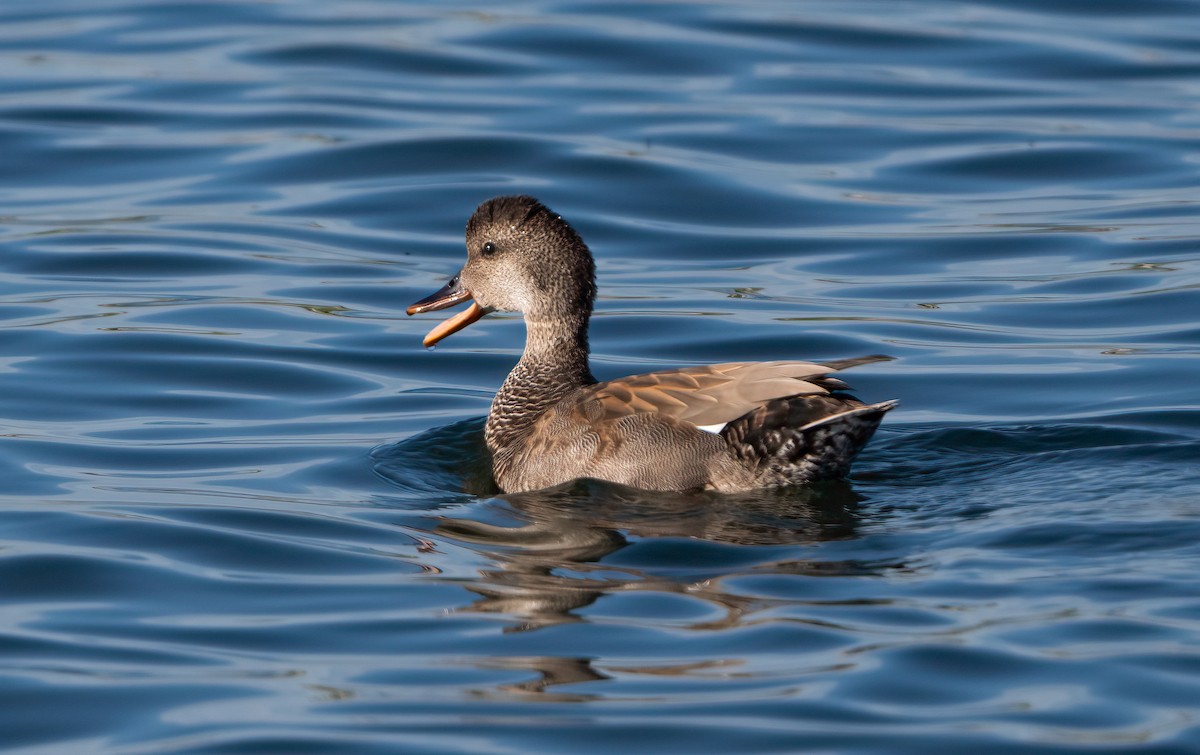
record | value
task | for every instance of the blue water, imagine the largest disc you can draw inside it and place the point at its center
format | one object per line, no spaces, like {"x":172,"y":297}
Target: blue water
{"x":244,"y":511}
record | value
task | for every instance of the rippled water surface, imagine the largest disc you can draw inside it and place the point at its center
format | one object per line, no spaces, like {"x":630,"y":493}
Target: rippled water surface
{"x":245,"y":511}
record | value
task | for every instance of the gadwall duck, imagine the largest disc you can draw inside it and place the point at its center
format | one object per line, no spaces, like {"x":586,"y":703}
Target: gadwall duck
{"x":725,"y":427}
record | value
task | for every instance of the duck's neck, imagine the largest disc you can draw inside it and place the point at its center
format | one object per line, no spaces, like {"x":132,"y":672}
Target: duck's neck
{"x":554,"y":364}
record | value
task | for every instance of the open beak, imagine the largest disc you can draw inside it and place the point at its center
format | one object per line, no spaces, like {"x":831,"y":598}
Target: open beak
{"x":450,"y":294}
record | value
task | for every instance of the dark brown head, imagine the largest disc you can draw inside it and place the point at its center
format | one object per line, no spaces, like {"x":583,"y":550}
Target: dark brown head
{"x":521,"y":257}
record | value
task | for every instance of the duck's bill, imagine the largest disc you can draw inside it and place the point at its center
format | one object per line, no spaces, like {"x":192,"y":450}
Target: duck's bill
{"x":450,"y":294}
{"x":454,"y":324}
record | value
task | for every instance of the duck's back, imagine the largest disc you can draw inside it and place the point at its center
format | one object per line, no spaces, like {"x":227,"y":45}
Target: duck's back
{"x":725,"y":427}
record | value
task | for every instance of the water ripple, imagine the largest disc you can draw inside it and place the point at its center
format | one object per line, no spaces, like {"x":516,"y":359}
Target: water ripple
{"x":247,"y":511}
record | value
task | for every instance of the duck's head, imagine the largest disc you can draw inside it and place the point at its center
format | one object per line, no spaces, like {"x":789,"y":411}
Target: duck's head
{"x":521,"y":257}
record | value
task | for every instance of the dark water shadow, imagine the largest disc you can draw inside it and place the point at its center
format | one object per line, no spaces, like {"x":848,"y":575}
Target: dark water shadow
{"x":451,"y":460}
{"x":974,"y":471}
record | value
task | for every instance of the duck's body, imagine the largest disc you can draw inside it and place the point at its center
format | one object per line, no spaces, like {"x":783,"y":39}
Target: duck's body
{"x":725,"y":427}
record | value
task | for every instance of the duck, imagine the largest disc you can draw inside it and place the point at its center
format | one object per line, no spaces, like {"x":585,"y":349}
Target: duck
{"x":731,"y":427}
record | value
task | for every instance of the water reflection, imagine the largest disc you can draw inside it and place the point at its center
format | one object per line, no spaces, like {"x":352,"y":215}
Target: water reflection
{"x":551,"y":671}
{"x":551,"y":564}
{"x":580,"y":555}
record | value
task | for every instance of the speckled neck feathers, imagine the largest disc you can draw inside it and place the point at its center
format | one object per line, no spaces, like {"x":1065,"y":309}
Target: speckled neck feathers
{"x":556,"y":295}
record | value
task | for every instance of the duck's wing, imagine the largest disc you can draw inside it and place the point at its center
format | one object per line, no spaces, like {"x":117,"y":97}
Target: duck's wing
{"x":708,"y":396}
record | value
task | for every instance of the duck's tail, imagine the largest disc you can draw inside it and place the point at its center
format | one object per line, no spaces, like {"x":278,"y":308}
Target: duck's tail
{"x":802,"y":439}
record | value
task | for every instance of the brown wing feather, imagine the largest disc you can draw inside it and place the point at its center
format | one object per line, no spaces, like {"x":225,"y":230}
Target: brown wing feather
{"x":708,"y":395}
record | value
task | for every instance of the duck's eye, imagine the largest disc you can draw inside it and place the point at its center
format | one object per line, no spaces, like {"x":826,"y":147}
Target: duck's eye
{"x":488,"y":249}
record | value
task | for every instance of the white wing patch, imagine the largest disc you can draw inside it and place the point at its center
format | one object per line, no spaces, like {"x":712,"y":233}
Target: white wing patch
{"x":714,"y":429}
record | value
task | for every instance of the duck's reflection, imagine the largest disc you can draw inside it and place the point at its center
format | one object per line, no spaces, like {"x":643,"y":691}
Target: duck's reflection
{"x":552,"y":563}
{"x":552,"y":671}
{"x":553,"y":553}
